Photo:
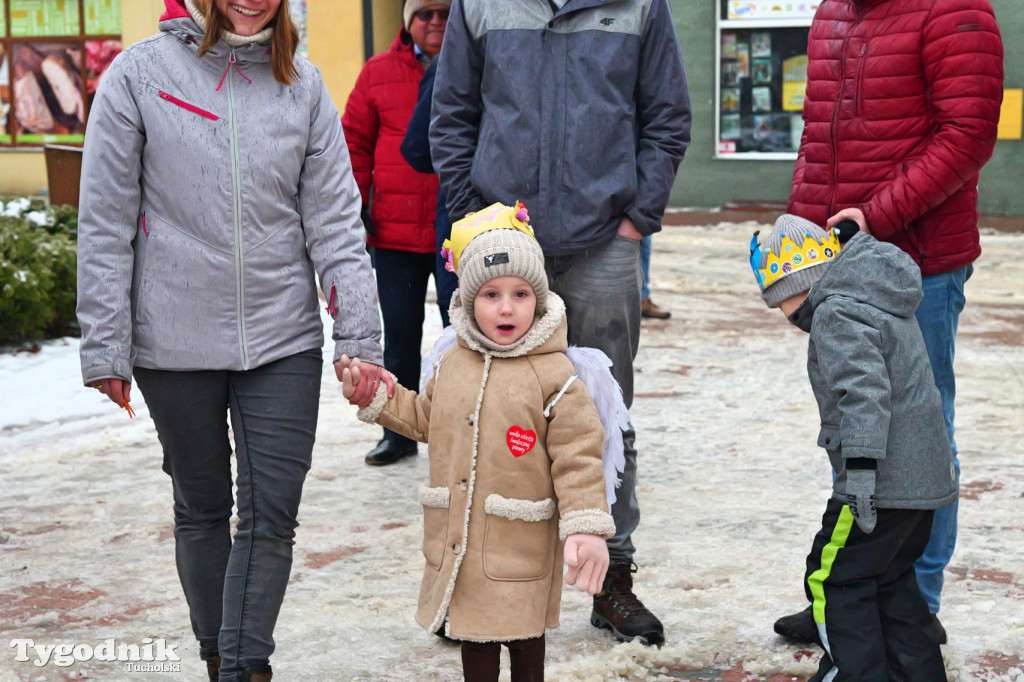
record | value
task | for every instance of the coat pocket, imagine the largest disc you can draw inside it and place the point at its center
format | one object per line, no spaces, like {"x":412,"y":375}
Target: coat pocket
{"x":519,"y":538}
{"x":188,"y":107}
{"x":435,"y":503}
{"x":828,"y":437}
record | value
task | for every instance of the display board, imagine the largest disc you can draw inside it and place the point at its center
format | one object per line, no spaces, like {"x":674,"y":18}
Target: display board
{"x":53,"y":54}
{"x":45,"y":18}
{"x":762,"y":77}
{"x":102,"y":17}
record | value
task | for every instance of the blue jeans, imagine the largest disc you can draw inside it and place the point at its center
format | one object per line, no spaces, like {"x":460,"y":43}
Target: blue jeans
{"x":234,"y":589}
{"x":645,"y":265}
{"x":938,"y":316}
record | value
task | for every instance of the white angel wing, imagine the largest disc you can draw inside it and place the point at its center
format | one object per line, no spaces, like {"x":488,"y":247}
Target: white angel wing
{"x":444,"y":343}
{"x":594,"y":369}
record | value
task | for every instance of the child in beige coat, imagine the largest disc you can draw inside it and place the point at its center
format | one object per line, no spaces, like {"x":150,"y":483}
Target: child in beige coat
{"x":515,"y":443}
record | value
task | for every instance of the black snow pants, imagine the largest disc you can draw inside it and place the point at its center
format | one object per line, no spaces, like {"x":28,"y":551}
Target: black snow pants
{"x":873,"y":622}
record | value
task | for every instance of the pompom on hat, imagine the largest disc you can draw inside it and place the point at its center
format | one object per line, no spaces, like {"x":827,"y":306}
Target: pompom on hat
{"x":414,"y":6}
{"x":495,"y":242}
{"x":788,"y":261}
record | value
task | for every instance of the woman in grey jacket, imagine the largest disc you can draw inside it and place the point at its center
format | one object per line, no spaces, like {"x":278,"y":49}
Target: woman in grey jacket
{"x":215,"y":179}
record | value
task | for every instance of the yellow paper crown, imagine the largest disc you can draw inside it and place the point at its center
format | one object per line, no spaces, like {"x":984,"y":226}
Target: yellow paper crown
{"x":792,"y":257}
{"x":494,"y":217}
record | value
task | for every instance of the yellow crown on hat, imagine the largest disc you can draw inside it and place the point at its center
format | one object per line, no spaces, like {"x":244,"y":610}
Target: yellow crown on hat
{"x":792,"y":257}
{"x":494,"y":217}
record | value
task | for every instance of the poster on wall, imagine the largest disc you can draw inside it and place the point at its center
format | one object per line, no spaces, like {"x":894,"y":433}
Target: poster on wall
{"x":98,"y":56}
{"x":5,"y":97}
{"x":48,"y":95}
{"x":44,"y":18}
{"x":794,"y":83}
{"x":297,"y":11}
{"x":772,"y":9}
{"x":102,"y":17}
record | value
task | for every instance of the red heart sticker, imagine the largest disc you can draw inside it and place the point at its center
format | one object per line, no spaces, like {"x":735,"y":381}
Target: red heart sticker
{"x":520,"y":441}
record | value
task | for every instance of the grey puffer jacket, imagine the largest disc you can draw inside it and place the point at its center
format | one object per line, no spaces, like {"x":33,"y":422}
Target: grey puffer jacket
{"x":581,"y":113}
{"x":209,"y":194}
{"x":871,"y":377}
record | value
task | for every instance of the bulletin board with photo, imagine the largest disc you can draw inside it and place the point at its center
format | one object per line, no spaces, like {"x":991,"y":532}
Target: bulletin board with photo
{"x":53,"y":54}
{"x":762,"y":77}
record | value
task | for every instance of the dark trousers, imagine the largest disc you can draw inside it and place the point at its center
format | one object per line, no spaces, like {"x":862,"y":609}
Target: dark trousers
{"x":402,"y":290}
{"x":873,"y":621}
{"x":481,"y":660}
{"x":235,"y":589}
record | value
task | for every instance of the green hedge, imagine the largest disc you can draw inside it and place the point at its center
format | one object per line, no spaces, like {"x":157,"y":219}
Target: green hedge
{"x":38,"y":260}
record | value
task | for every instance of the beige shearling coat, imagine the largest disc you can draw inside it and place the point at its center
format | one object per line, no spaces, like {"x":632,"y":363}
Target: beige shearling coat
{"x":515,"y":447}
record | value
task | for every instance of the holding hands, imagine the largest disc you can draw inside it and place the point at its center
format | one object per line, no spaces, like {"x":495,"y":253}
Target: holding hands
{"x":587,"y":558}
{"x":359,"y":380}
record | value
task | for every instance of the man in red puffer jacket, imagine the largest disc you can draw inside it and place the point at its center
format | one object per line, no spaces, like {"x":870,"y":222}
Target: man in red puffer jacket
{"x":902,"y":105}
{"x":399,"y":204}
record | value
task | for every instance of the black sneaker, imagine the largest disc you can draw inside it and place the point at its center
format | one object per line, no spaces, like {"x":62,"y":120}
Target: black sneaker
{"x":799,"y":627}
{"x":616,"y":608}
{"x":389,"y":451}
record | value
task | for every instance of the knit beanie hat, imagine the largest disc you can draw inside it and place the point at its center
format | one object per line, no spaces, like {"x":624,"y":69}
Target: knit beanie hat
{"x":502,"y":253}
{"x":414,"y":6}
{"x":788,"y":262}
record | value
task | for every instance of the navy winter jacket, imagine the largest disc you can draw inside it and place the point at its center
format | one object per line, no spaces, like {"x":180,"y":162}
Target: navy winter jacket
{"x":582,"y":114}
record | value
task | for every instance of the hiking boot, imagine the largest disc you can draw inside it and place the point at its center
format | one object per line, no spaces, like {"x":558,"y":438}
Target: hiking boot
{"x":256,"y":673}
{"x":616,"y":608}
{"x":799,"y":627}
{"x":213,"y":668}
{"x":940,"y":632}
{"x":650,"y":309}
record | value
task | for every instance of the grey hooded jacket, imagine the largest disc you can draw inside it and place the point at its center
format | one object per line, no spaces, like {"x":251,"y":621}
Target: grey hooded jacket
{"x":209,"y":193}
{"x":582,"y":114}
{"x":871,"y":377}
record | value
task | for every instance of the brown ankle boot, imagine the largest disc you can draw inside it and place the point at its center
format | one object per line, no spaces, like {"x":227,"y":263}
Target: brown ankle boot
{"x":213,"y":668}
{"x":616,"y":608}
{"x":650,"y":310}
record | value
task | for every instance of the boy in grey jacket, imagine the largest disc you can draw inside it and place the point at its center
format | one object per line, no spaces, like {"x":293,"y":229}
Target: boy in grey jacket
{"x":882,"y":427}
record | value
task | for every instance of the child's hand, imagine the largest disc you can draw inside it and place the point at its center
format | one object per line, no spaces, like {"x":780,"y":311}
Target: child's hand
{"x":587,"y":558}
{"x":365,"y":381}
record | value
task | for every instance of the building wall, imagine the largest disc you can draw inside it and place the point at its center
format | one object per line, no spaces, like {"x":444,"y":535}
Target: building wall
{"x":706,"y":181}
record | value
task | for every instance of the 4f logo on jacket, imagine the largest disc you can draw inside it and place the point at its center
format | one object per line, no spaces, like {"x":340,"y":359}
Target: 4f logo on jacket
{"x":607,"y":21}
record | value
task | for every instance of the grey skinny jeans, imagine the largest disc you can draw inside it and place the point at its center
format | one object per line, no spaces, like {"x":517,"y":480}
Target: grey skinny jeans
{"x":601,"y":290}
{"x":235,"y":589}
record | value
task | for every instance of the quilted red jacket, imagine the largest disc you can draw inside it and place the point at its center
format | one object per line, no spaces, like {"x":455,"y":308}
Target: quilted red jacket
{"x":902,"y":104}
{"x":376,"y":116}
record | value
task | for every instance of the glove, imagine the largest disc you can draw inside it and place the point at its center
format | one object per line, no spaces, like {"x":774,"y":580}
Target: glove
{"x":364,"y":215}
{"x":860,"y":495}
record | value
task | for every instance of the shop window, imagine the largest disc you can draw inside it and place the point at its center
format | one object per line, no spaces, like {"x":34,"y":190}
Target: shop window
{"x":762,"y":76}
{"x":53,"y":54}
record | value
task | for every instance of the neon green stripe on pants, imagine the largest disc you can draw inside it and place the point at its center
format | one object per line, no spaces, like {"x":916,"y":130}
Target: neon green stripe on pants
{"x":840,"y":534}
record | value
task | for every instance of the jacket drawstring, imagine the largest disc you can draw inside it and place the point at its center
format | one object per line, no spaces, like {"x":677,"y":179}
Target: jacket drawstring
{"x":231,"y":62}
{"x":332,"y":303}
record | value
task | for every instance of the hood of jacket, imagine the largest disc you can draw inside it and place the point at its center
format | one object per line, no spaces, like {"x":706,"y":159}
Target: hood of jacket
{"x":548,"y":334}
{"x":875,"y":273}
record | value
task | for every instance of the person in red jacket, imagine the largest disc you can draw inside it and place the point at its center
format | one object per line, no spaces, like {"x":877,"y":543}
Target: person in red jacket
{"x":902,"y":105}
{"x":399,"y":203}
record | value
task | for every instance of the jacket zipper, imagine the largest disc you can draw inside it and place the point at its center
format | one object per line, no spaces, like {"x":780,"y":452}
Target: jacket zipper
{"x":189,"y":107}
{"x":835,"y":114}
{"x":860,"y":79}
{"x":237,"y":191}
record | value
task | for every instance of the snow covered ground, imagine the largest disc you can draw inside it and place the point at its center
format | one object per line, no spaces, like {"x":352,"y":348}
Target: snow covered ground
{"x":732,"y":487}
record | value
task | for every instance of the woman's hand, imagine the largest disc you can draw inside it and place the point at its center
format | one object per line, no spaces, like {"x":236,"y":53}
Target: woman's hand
{"x":587,"y":557}
{"x":854,"y":214}
{"x":118,"y":390}
{"x":364,"y":377}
